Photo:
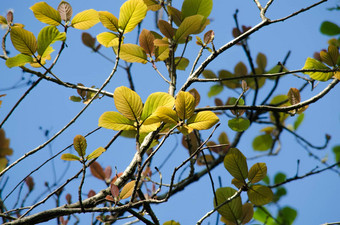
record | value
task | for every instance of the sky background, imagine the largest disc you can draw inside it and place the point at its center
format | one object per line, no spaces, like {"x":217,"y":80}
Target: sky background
{"x":48,"y":107}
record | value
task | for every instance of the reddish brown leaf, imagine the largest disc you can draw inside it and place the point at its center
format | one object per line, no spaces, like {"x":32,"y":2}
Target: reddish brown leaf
{"x":88,"y":40}
{"x":196,"y":95}
{"x":30,"y":183}
{"x":166,"y":29}
{"x":97,"y":171}
{"x":108,"y":172}
{"x":91,"y":193}
{"x":146,"y":39}
{"x":209,"y":36}
{"x":68,"y":198}
{"x":114,"y":191}
{"x":294,"y":96}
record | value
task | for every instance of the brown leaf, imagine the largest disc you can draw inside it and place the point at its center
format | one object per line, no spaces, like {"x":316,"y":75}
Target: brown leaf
{"x":88,"y":40}
{"x":209,"y":36}
{"x":65,"y":11}
{"x":294,"y":96}
{"x":97,"y":171}
{"x":30,"y":183}
{"x":114,"y":191}
{"x":108,"y":172}
{"x":166,"y":29}
{"x":146,"y":39}
{"x":196,"y":95}
{"x":68,"y":198}
{"x":91,"y":193}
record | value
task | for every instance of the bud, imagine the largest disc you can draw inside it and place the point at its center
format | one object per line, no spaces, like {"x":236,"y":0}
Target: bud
{"x":10,"y":17}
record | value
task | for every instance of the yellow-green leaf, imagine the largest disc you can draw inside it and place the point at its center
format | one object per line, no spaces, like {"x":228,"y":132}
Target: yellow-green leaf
{"x":317,"y":65}
{"x":18,"y":60}
{"x":162,"y":53}
{"x":236,"y":164}
{"x":156,"y":100}
{"x":261,"y":61}
{"x":262,"y":142}
{"x":46,"y":14}
{"x":257,"y":172}
{"x":96,"y":153}
{"x":65,"y":11}
{"x":133,"y":53}
{"x":190,"y":25}
{"x":237,"y":183}
{"x":108,"y":20}
{"x":47,"y":36}
{"x":3,"y":20}
{"x":69,"y":157}
{"x":85,"y":19}
{"x":153,"y":5}
{"x":3,"y":163}
{"x":171,"y":222}
{"x":108,"y":39}
{"x":202,"y":120}
{"x":185,"y":105}
{"x":196,"y":7}
{"x":175,"y":14}
{"x":181,"y":63}
{"x":131,"y":14}
{"x":128,"y":103}
{"x":239,"y":124}
{"x":80,"y":145}
{"x":127,"y":190}
{"x":23,"y":40}
{"x":115,"y":121}
{"x":165,"y":114}
{"x":260,"y":195}
{"x":232,"y":210}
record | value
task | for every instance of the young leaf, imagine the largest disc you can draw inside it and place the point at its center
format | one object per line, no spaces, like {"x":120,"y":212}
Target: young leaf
{"x":146,"y":39}
{"x":18,"y":60}
{"x":329,"y":28}
{"x":331,"y":56}
{"x":108,"y":20}
{"x":236,"y":164}
{"x":165,"y":114}
{"x":88,"y":40}
{"x":24,"y":41}
{"x":69,"y":157}
{"x":128,"y":102}
{"x":260,"y":195}
{"x":96,"y":153}
{"x":209,"y":36}
{"x":247,"y":213}
{"x":80,"y":145}
{"x":257,"y":172}
{"x":166,"y":29}
{"x":108,"y":39}
{"x":262,"y":142}
{"x":127,"y":190}
{"x":46,"y":14}
{"x":115,"y":121}
{"x":196,"y":95}
{"x":65,"y":11}
{"x":196,"y":7}
{"x":176,"y":15}
{"x":181,"y":63}
{"x":185,"y":105}
{"x":30,"y":183}
{"x":294,"y":96}
{"x":97,"y":171}
{"x":85,"y":19}
{"x":232,"y":210}
{"x":132,"y":12}
{"x":315,"y":64}
{"x":156,"y":100}
{"x":133,"y":53}
{"x":47,"y":36}
{"x":114,"y":191}
{"x":190,"y":25}
{"x":202,"y":120}
{"x":152,"y":5}
{"x":239,"y":124}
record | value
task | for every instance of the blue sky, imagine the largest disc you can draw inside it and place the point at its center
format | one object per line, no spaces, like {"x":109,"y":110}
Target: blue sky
{"x":47,"y":106}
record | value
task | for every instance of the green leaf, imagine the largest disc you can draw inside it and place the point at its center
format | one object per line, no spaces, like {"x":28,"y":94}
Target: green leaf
{"x":236,"y":164}
{"x":128,"y":103}
{"x":115,"y":121}
{"x":75,"y":98}
{"x":262,"y":142}
{"x":171,"y":222}
{"x":108,"y":39}
{"x":232,"y":210}
{"x":156,"y":100}
{"x":287,"y":215}
{"x":190,"y":25}
{"x":215,"y":90}
{"x":202,"y":120}
{"x":259,"y":194}
{"x":23,"y":40}
{"x":108,"y":20}
{"x":196,"y":7}
{"x":279,"y":178}
{"x":209,"y":74}
{"x":69,"y":157}
{"x":46,"y":14}
{"x":257,"y":172}
{"x":298,"y":121}
{"x":185,"y":105}
{"x":280,"y":191}
{"x":329,"y":28}
{"x":47,"y":36}
{"x":65,"y":11}
{"x":127,"y":190}
{"x":315,"y":64}
{"x":336,"y":151}
{"x":96,"y":153}
{"x":261,"y":214}
{"x":229,"y":83}
{"x":261,"y":61}
{"x":239,"y":124}
{"x":181,"y":63}
{"x":131,"y":14}
{"x":18,"y":60}
{"x":85,"y":19}
{"x":80,"y":145}
{"x":133,"y":53}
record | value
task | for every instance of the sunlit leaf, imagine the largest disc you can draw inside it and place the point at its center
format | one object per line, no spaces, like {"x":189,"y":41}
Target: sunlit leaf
{"x":146,"y":39}
{"x":185,"y":105}
{"x":69,"y":157}
{"x":298,"y":121}
{"x":329,"y":28}
{"x":166,"y":29}
{"x":128,"y":102}
{"x":232,"y":210}
{"x":181,"y":63}
{"x":97,"y":171}
{"x":331,"y":56}
{"x":108,"y":20}
{"x":127,"y":190}
{"x":190,"y":25}
{"x":215,"y":90}
{"x":85,"y":19}
{"x":236,"y":164}
{"x":202,"y":120}
{"x":23,"y":40}
{"x":162,"y":53}
{"x":80,"y":145}
{"x":115,"y":121}
{"x":259,"y":194}
{"x":46,"y":14}
{"x":336,"y":151}
{"x":171,"y":222}
{"x":96,"y":153}
{"x":132,"y":12}
{"x":239,"y":124}
{"x":167,"y":115}
{"x":175,"y":14}
{"x":262,"y":142}
{"x":257,"y":172}
{"x":18,"y":60}
{"x":65,"y":11}
{"x":133,"y":53}
{"x":47,"y":36}
{"x":156,"y":100}
{"x":317,"y":65}
{"x":152,"y":5}
{"x":108,"y":39}
{"x":247,"y":213}
{"x":294,"y":96}
{"x":3,"y":20}
{"x":196,"y":7}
